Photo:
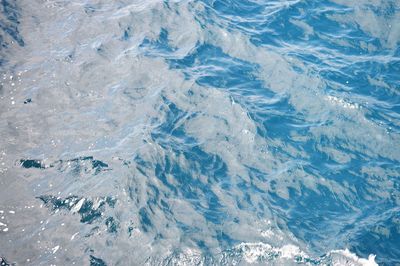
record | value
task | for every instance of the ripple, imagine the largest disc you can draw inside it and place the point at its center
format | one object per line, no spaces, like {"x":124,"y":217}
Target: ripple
{"x":199,"y":132}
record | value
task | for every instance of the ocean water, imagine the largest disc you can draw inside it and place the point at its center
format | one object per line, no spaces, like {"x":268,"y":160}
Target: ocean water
{"x":204,"y":132}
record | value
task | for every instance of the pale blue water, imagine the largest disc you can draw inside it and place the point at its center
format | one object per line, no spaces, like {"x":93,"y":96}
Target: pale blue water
{"x":200,"y":132}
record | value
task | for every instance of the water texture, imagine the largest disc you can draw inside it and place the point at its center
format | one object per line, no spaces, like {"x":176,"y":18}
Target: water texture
{"x":200,"y":132}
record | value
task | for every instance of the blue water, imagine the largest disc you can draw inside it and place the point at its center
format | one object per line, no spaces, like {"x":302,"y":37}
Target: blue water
{"x":200,"y":132}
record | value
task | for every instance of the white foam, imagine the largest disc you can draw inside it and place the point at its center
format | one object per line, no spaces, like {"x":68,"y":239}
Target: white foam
{"x":290,"y":251}
{"x":74,"y":235}
{"x":354,"y":259}
{"x":55,"y":249}
{"x":258,"y":252}
{"x":253,"y":252}
{"x":343,"y":103}
{"x":267,"y":233}
{"x":78,"y":206}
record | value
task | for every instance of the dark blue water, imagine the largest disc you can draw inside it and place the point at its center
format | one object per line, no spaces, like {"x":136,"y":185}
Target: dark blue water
{"x":200,"y":132}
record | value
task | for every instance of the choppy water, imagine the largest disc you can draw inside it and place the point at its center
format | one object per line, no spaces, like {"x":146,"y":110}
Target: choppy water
{"x":200,"y":132}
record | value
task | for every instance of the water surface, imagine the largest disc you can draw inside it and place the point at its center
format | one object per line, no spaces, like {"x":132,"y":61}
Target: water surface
{"x":200,"y":132}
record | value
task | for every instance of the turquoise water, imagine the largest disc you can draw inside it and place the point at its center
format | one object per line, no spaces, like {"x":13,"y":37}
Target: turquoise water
{"x":200,"y":132}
